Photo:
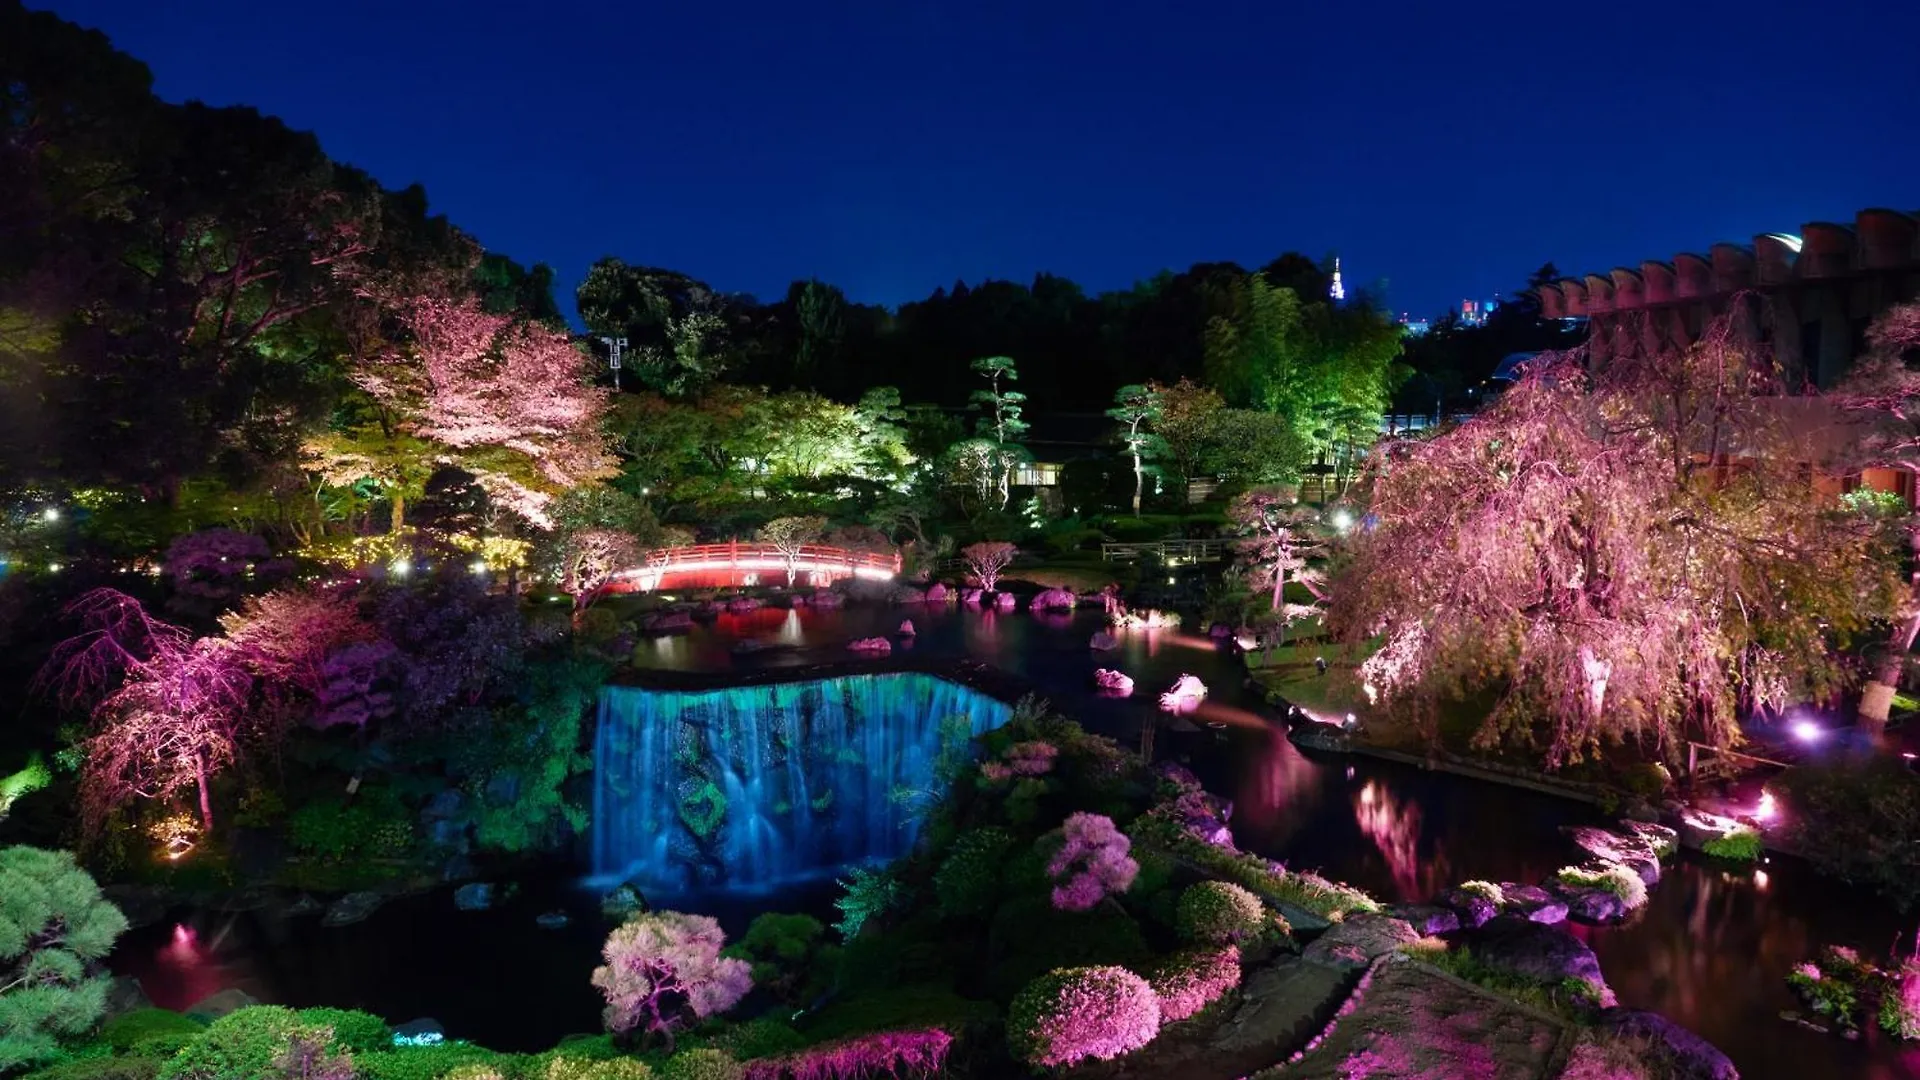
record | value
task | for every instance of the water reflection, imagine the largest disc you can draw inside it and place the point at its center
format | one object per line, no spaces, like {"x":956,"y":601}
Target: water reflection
{"x":1394,"y":828}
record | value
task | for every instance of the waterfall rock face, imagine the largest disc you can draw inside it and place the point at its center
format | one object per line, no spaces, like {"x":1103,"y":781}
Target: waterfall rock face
{"x":755,"y":787}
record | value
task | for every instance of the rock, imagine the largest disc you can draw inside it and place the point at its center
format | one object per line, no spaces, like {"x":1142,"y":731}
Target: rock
{"x":1620,"y":849}
{"x":1691,"y":1057}
{"x":1116,"y":683}
{"x":906,"y":628}
{"x":216,"y":1005}
{"x":425,"y":1031}
{"x":1355,"y":942}
{"x":971,"y":595}
{"x":1474,"y":910}
{"x":1547,"y":954}
{"x":474,"y":896}
{"x":124,"y":995}
{"x":552,"y":920}
{"x":623,"y":903}
{"x":1004,"y":601}
{"x":1429,"y":919}
{"x":907,"y":594}
{"x":352,"y":908}
{"x":1697,"y":827}
{"x":939,"y":594}
{"x":1103,"y":641}
{"x":302,"y":905}
{"x":874,"y":645}
{"x":1660,"y":839}
{"x":1591,"y":905}
{"x":1054,"y":600}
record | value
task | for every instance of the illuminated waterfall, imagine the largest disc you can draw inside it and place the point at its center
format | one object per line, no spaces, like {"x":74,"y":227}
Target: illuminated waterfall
{"x":754,"y":787}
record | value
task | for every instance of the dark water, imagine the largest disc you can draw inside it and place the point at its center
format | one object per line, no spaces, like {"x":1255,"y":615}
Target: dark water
{"x":1711,"y":950}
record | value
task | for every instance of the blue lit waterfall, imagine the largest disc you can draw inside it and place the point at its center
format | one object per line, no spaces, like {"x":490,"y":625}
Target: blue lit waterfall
{"x":753,"y":787}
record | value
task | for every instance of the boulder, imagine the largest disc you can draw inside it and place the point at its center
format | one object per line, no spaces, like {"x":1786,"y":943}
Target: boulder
{"x":1429,"y":919}
{"x":1690,"y":1057}
{"x":1535,"y":903}
{"x":216,"y":1005}
{"x":1662,"y":841}
{"x":875,"y":645}
{"x":125,"y":995}
{"x":1005,"y":601}
{"x":907,"y":594}
{"x":473,"y":896}
{"x":906,"y":628}
{"x":1622,"y":849}
{"x":971,"y":595}
{"x":1474,"y":910}
{"x":552,"y":920}
{"x":1116,"y":683}
{"x":1054,"y":600}
{"x":1591,"y":905}
{"x":1356,"y":941}
{"x":1546,"y":954}
{"x":623,"y":903}
{"x":302,"y":904}
{"x":1103,"y":641}
{"x":352,"y":908}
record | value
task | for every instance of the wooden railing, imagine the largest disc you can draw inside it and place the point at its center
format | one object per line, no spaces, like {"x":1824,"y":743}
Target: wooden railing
{"x":1169,"y":550}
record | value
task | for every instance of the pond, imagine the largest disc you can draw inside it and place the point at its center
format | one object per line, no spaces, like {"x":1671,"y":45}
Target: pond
{"x":1711,"y":950}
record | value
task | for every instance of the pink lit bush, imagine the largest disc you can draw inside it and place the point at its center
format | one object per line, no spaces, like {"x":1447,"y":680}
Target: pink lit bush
{"x":1031,"y":758}
{"x":987,"y":559}
{"x":871,"y":645}
{"x":897,"y":1054}
{"x":1092,"y":863}
{"x":1189,"y":982}
{"x":1219,"y":913}
{"x":1900,"y":1005}
{"x":664,"y":970}
{"x":1070,"y":1015}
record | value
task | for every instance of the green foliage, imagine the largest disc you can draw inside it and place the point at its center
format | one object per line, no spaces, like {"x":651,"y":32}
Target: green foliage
{"x":562,"y":1067}
{"x":1569,"y":997}
{"x":1740,"y":845}
{"x":357,"y":1031}
{"x":1486,"y":890}
{"x":899,"y":1008}
{"x":701,"y":1064}
{"x":703,"y":809}
{"x":518,"y":769}
{"x":241,"y":1045}
{"x":434,"y":1062}
{"x":790,"y":956}
{"x":1648,"y":780}
{"x":869,"y":893}
{"x":131,"y":1031}
{"x":1614,"y":878}
{"x":100,"y":1068}
{"x":54,"y":928}
{"x":764,"y":1037}
{"x":968,"y":880}
{"x":1832,"y":994}
{"x":25,"y":782}
{"x":1219,"y":913}
{"x":1307,"y":891}
{"x":1028,"y":937}
{"x":375,"y":824}
{"x":1859,"y":822}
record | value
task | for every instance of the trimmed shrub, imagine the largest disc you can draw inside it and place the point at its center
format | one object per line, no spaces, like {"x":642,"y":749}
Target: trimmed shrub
{"x":242,"y":1045}
{"x":968,"y":881}
{"x":664,"y":970}
{"x":474,"y":1071}
{"x":433,"y":1063}
{"x":1614,"y":878}
{"x":1219,"y":913}
{"x":128,"y":1030}
{"x":1740,"y":845}
{"x":353,"y":1029}
{"x":702,"y":1064}
{"x":1188,"y":982}
{"x":866,"y":1057}
{"x":1073,"y":1014}
{"x":572,"y":1068}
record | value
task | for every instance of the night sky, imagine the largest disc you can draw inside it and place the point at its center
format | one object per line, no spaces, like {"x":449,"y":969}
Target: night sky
{"x":891,"y":146}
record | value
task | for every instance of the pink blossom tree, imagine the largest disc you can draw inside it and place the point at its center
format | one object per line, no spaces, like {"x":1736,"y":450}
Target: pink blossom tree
{"x":1092,"y":864}
{"x":590,"y":558}
{"x":168,"y":711}
{"x":790,"y":536}
{"x":286,"y":635}
{"x":987,"y":559}
{"x":664,"y":970}
{"x":1633,"y":554}
{"x":510,"y":402}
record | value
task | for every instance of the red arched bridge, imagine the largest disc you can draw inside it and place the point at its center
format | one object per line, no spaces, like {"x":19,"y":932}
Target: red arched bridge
{"x":736,"y":564}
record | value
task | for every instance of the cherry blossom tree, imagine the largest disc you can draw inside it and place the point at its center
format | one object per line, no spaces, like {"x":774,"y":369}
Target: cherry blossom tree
{"x":286,"y":635}
{"x":1883,"y":385}
{"x":168,"y":711}
{"x":510,"y":402}
{"x":664,"y":970}
{"x":590,"y":558}
{"x":987,"y":559}
{"x":1634,"y":554}
{"x":790,"y":536}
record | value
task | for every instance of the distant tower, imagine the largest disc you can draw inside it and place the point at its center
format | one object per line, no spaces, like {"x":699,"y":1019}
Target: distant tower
{"x":1337,"y":290}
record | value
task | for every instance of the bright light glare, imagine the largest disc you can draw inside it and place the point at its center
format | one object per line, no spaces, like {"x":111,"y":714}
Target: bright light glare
{"x":478,"y":567}
{"x":51,"y":513}
{"x":1342,"y":520}
{"x":401,"y":567}
{"x":1768,"y":809}
{"x":1807,"y":731}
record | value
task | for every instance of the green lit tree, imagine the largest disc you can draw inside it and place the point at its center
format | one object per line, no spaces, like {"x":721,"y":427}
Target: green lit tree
{"x":1137,"y":408}
{"x":55,"y":929}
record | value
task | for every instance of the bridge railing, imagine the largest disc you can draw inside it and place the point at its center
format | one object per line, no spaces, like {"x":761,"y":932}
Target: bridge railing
{"x":1167,"y":550}
{"x":747,"y":557}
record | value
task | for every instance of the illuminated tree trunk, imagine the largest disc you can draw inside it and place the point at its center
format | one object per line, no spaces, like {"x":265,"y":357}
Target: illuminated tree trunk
{"x":399,"y":503}
{"x":1876,"y":699}
{"x":206,"y":798}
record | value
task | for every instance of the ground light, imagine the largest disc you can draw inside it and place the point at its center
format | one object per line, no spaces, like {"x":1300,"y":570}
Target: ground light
{"x":1807,"y":731}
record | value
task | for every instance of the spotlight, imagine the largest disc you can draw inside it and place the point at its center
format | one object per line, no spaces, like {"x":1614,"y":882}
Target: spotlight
{"x":1807,"y":731}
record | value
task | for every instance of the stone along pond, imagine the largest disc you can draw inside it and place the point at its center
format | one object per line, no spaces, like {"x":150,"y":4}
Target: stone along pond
{"x":1711,"y":949}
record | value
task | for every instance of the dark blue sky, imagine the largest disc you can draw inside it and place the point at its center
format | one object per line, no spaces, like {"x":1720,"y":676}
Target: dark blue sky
{"x":891,"y":146}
